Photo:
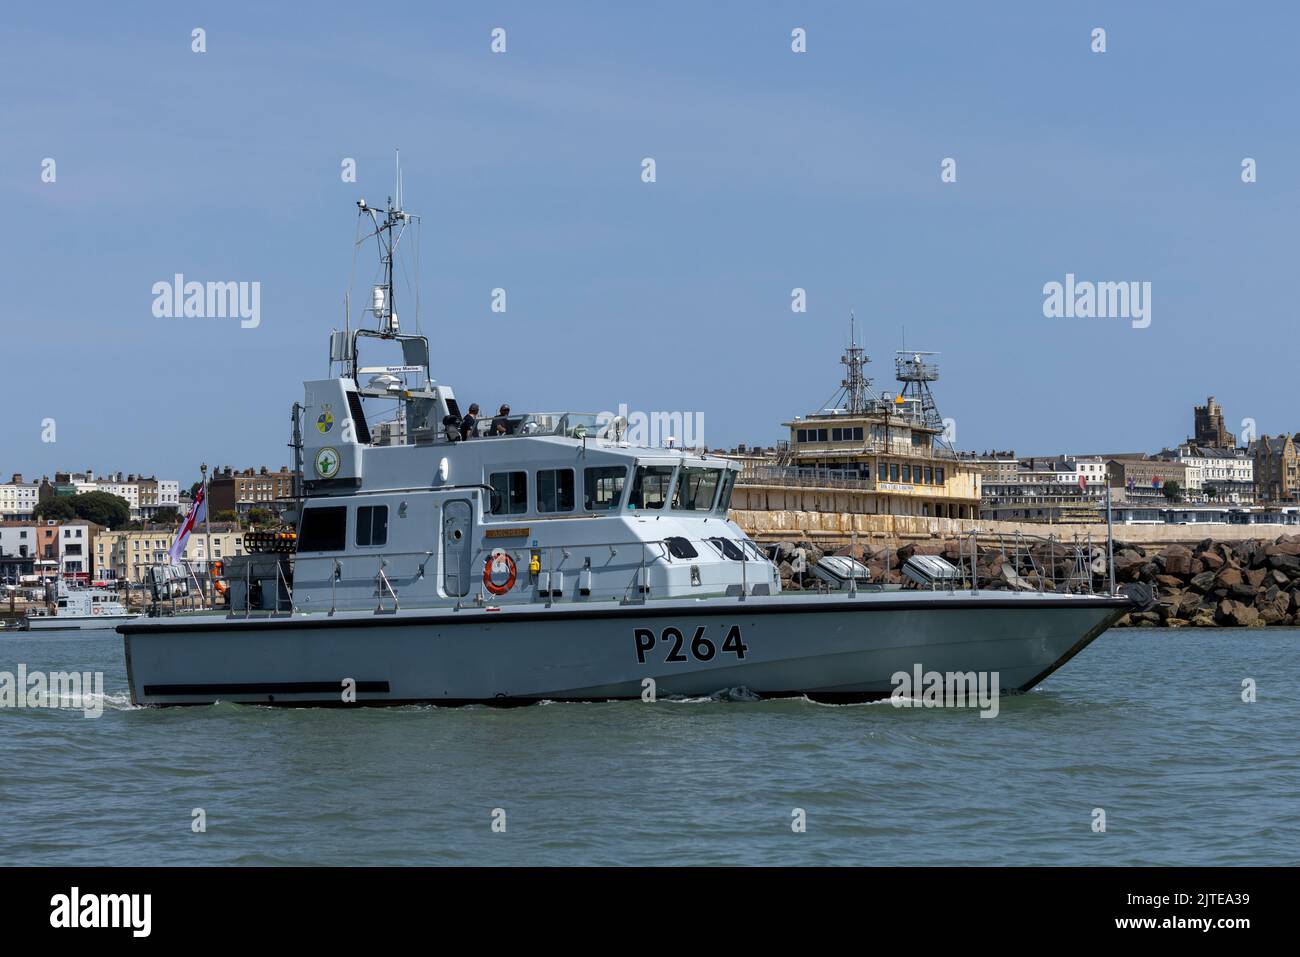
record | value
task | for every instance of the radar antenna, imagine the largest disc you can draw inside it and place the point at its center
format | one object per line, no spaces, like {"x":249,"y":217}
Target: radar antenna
{"x":915,"y":373}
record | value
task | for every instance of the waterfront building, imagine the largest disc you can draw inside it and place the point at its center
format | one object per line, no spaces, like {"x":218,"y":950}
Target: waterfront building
{"x":1142,"y":479}
{"x":75,"y":549}
{"x":18,"y":499}
{"x":241,"y":492}
{"x":126,"y":554}
{"x":1064,"y":488}
{"x":17,"y":551}
{"x":51,"y":548}
{"x":18,"y":539}
{"x":145,"y":495}
{"x":861,"y":454}
{"x":1277,"y":468}
{"x":1227,"y":472}
{"x":127,"y":487}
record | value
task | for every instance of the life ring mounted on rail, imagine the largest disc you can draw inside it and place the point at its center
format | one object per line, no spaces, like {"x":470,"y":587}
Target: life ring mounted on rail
{"x":95,"y":610}
{"x":496,"y":563}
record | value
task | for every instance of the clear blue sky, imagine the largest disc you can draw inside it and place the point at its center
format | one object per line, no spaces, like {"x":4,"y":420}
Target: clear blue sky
{"x":775,"y":170}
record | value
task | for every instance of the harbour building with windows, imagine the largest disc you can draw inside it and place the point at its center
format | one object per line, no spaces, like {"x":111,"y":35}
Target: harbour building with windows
{"x":866,"y":454}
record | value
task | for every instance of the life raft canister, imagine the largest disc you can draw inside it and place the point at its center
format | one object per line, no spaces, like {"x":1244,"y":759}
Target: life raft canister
{"x":495,"y":563}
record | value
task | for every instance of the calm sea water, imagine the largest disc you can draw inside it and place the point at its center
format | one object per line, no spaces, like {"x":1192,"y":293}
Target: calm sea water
{"x":1148,"y":725}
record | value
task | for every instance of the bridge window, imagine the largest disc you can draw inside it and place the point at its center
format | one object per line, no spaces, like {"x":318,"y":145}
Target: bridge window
{"x":603,"y":487}
{"x":727,"y":548}
{"x":323,"y":529}
{"x":695,"y":489}
{"x":512,"y":492}
{"x":650,"y":486}
{"x":724,"y":496}
{"x":372,"y":525}
{"x":555,"y":490}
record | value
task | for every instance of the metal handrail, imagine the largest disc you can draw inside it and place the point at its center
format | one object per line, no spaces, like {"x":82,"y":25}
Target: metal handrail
{"x":381,"y":578}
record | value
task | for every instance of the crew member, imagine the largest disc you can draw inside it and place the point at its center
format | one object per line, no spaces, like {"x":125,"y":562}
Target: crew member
{"x":470,"y":422}
{"x":501,"y":424}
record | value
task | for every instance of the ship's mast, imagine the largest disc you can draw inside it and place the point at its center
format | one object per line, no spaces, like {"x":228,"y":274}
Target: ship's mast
{"x":855,"y":382}
{"x":852,"y":394}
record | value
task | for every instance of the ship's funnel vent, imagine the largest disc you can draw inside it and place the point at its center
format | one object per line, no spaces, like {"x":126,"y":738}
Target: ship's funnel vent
{"x":359,"y":425}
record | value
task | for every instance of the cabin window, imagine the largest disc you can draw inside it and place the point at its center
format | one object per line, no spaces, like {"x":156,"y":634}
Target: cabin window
{"x":695,"y":489}
{"x":837,"y":434}
{"x":802,"y":435}
{"x":680,"y":547}
{"x":603,"y":487}
{"x":323,"y":529}
{"x":821,"y":435}
{"x":724,"y":496}
{"x":857,"y":434}
{"x":650,"y":486}
{"x":372,"y":525}
{"x":555,"y":490}
{"x":727,"y":549}
{"x":512,"y":492}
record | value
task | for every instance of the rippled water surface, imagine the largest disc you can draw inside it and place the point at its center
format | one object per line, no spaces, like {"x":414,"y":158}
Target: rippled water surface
{"x":1147,"y":725}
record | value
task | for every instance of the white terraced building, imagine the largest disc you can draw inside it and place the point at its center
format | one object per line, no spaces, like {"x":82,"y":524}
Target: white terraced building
{"x":1230,"y":472}
{"x":18,"y":500}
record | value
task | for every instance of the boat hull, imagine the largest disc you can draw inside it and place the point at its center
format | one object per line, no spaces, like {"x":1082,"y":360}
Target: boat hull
{"x":830,"y":648}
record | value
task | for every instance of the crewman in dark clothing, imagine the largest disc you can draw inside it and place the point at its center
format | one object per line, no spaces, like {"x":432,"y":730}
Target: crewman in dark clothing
{"x":501,"y":424}
{"x":469,"y":424}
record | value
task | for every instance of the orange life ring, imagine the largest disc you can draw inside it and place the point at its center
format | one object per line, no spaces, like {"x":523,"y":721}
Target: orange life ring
{"x":490,"y":564}
{"x":94,"y":610}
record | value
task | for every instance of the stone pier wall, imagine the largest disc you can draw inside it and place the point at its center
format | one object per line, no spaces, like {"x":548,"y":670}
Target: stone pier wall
{"x":837,"y":528}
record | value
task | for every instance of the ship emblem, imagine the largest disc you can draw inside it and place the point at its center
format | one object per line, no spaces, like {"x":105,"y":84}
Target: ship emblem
{"x":327,"y":463}
{"x":325,"y":422}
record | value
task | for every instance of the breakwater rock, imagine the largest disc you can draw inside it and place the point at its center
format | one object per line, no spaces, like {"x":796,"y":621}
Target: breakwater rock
{"x":1247,"y":584}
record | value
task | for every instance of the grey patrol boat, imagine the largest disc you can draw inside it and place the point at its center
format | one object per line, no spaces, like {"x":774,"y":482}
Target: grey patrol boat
{"x":546,"y":557}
